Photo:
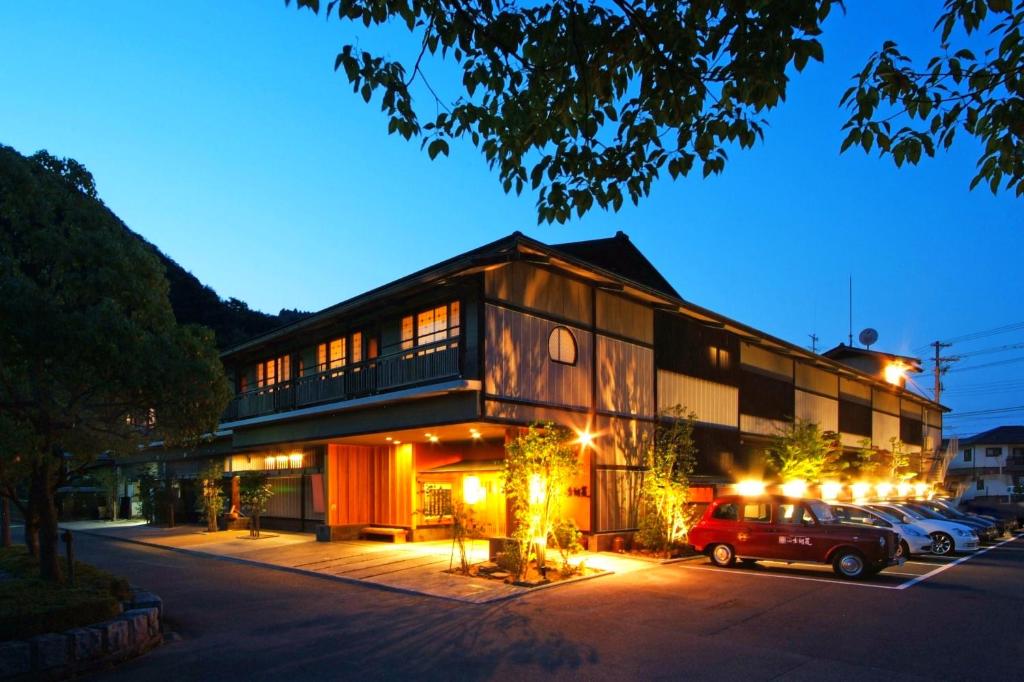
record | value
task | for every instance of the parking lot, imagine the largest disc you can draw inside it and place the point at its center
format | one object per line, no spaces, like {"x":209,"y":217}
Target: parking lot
{"x":915,"y":571}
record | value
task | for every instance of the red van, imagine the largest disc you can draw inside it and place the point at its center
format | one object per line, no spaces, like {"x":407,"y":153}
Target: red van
{"x":790,"y":529}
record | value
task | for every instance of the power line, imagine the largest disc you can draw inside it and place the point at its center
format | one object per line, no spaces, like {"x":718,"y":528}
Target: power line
{"x":972,"y":336}
{"x":987,"y":364}
{"x":994,"y":410}
{"x":994,"y":349}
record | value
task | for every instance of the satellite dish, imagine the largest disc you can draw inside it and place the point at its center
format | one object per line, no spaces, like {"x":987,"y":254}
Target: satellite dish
{"x":868,"y":337}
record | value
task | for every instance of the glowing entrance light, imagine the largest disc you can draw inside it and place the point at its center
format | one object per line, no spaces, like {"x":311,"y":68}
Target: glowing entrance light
{"x":883,"y":489}
{"x":472,"y":491}
{"x":920,"y":489}
{"x":750,"y":487}
{"x":860,"y":491}
{"x":794,"y":488}
{"x":903,"y":489}
{"x":830,"y":490}
{"x":295,"y":460}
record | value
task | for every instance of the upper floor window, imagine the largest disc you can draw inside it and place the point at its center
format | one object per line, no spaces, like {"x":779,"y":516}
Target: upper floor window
{"x":434,"y":324}
{"x":968,"y":454}
{"x":275,"y":370}
{"x":562,"y":346}
{"x":719,"y":357}
{"x":993,"y":452}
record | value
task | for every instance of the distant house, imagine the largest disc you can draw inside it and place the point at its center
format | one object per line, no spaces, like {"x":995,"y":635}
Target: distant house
{"x":989,"y":464}
{"x":383,"y":408}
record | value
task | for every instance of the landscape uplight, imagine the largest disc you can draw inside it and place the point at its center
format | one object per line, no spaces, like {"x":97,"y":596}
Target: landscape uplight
{"x":860,"y":491}
{"x":920,"y":489}
{"x":794,"y":488}
{"x":903,"y":489}
{"x":830,"y":490}
{"x":883,"y":489}
{"x":750,"y":487}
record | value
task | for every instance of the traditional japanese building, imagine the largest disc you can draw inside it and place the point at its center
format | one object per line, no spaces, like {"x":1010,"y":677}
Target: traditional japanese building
{"x":381,"y":409}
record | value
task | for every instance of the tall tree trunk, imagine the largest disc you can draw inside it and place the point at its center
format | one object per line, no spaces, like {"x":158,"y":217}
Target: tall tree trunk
{"x":5,"y":530}
{"x":41,"y":500}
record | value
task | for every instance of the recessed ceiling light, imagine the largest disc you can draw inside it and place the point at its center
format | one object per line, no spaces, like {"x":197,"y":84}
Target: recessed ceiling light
{"x":387,"y":437}
{"x":434,"y":439}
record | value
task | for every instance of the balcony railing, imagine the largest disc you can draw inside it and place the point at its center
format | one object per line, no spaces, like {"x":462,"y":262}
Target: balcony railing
{"x":400,"y":369}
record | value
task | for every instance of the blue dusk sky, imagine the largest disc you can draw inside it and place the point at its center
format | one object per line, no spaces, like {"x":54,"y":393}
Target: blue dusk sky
{"x":221,"y":133}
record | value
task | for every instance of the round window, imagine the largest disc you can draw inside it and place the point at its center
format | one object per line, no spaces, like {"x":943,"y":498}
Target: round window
{"x":562,"y":346}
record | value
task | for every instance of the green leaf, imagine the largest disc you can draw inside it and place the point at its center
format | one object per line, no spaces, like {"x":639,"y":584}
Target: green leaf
{"x":439,"y":146}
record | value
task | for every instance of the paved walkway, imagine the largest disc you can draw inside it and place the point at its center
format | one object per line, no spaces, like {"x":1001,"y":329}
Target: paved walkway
{"x":419,"y":568}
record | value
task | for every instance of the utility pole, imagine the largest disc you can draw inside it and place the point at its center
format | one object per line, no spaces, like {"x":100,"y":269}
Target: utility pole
{"x":941,"y":365}
{"x":814,"y":342}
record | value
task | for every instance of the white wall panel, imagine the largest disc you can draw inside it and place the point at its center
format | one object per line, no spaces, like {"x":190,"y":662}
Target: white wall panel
{"x":625,"y":377}
{"x":883,"y":427}
{"x":822,"y":411}
{"x":518,"y":364}
{"x":761,"y":425}
{"x":714,"y":403}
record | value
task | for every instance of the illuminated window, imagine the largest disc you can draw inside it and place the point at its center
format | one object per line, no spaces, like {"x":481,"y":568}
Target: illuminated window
{"x":273,"y":371}
{"x":321,"y":357}
{"x":372,"y":349}
{"x":719,"y":357}
{"x":357,"y":347}
{"x":562,"y":346}
{"x":336,"y":353}
{"x":407,"y":332}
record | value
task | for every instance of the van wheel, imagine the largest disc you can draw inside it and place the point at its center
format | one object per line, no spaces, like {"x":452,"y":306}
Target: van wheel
{"x":942,"y":544}
{"x":722,"y":555}
{"x":849,"y":564}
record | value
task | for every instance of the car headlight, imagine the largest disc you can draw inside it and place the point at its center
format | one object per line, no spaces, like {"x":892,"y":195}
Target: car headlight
{"x":961,"y":533}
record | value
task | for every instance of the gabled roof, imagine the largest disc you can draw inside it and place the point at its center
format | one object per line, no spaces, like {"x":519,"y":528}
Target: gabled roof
{"x":843,"y":351}
{"x":618,"y":254}
{"x":998,"y":436}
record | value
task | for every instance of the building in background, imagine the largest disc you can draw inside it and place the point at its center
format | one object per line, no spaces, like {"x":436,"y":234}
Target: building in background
{"x":989,"y":465}
{"x":381,"y":410}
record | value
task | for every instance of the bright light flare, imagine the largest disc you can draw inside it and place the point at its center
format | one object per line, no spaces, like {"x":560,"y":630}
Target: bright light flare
{"x":830,"y":490}
{"x":537,"y":492}
{"x":750,"y":487}
{"x":884,"y":489}
{"x":895,"y":372}
{"x":920,"y":489}
{"x":860,"y":490}
{"x":903,"y":489}
{"x":584,"y":438}
{"x":472,"y":491}
{"x":794,"y":488}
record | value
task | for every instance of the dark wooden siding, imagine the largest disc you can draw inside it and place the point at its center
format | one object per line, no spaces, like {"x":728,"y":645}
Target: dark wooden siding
{"x":684,"y":345}
{"x":717,"y":451}
{"x":763,"y":396}
{"x":854,"y":418}
{"x":911,"y":431}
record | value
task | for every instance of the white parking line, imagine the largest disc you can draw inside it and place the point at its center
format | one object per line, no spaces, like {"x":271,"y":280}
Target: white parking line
{"x":940,"y":569}
{"x":790,"y":577}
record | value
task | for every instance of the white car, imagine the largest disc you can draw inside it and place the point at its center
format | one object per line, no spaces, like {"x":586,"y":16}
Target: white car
{"x":947,"y":536}
{"x":912,"y":538}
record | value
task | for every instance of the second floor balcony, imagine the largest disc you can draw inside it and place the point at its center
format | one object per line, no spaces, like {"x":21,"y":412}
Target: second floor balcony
{"x":397,"y":370}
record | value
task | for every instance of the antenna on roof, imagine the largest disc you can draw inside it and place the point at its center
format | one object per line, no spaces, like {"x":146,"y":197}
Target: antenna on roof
{"x":850,"y":337}
{"x":867,"y":337}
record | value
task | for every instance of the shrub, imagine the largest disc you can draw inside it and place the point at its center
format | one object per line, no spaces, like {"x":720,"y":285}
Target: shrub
{"x":30,"y":606}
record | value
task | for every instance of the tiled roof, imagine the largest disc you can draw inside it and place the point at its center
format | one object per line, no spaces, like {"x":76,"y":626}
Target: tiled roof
{"x":618,"y":254}
{"x":996,"y":436}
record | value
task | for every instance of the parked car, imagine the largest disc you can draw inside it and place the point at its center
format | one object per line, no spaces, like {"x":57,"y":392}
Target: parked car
{"x":779,"y":528}
{"x":1010,"y":513}
{"x":986,"y":530}
{"x":947,"y":537}
{"x":945,"y":506}
{"x":912,"y":538}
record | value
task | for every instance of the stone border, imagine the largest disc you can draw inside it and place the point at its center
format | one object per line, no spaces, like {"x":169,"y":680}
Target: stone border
{"x":60,"y":655}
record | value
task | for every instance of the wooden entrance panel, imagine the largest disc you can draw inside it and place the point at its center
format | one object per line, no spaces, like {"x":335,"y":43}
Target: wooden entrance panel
{"x":369,"y":485}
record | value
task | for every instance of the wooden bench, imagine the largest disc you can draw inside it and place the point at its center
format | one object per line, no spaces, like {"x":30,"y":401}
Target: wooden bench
{"x":395,"y":535}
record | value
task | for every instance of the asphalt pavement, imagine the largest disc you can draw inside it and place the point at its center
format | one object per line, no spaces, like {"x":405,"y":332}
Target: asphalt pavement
{"x":233,"y":621}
